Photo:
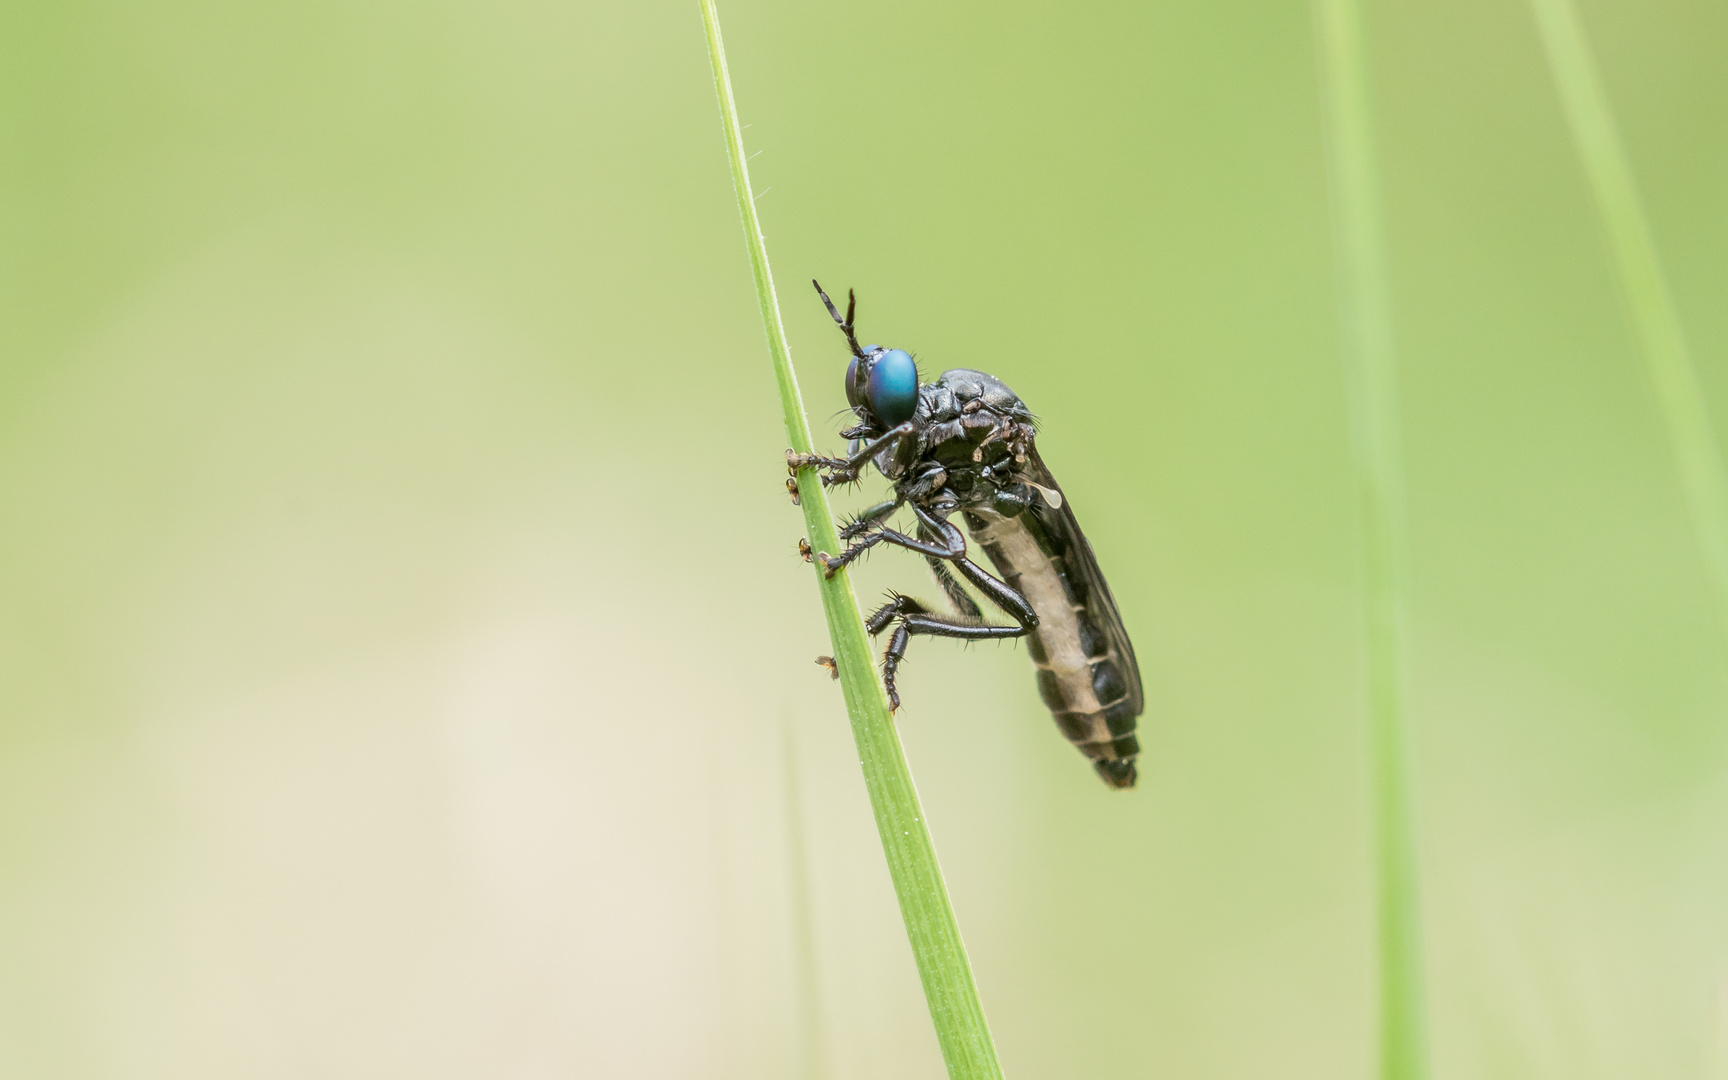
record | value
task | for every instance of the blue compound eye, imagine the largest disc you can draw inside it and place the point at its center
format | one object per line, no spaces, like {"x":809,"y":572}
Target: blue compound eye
{"x":893,"y":386}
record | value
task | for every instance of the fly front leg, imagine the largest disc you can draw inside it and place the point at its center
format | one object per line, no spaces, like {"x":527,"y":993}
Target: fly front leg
{"x":845,"y":470}
{"x":796,"y":461}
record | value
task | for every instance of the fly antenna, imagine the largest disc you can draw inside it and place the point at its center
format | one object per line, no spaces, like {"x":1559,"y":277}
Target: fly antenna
{"x":846,"y":323}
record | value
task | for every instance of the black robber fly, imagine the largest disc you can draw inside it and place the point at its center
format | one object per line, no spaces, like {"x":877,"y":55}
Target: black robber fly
{"x":964,"y":443}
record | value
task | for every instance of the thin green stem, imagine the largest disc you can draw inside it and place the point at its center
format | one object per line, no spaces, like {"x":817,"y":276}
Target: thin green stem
{"x":1371,"y":382}
{"x":1656,"y":323}
{"x":949,"y":990}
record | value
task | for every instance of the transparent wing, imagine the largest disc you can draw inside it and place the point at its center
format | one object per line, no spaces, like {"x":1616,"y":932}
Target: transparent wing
{"x":1057,"y":517}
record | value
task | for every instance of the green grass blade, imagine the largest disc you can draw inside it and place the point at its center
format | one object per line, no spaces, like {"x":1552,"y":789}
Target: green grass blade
{"x":1371,"y":382}
{"x":949,"y":990}
{"x":1657,"y":325}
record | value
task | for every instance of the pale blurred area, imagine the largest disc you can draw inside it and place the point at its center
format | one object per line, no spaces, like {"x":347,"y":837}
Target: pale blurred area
{"x":403,"y":650}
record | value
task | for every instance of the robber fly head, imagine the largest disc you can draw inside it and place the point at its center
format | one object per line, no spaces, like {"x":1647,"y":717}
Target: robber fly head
{"x":881,"y":384}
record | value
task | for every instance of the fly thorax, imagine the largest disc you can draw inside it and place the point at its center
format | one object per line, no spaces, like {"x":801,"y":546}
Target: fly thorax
{"x":1011,"y":500}
{"x":937,"y":403}
{"x":895,"y":459}
{"x":923,"y":483}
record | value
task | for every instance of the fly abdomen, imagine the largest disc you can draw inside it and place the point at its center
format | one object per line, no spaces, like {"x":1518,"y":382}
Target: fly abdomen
{"x":1081,"y":672}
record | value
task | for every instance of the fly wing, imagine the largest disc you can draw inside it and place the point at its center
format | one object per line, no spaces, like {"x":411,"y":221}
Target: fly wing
{"x":1056,"y":514}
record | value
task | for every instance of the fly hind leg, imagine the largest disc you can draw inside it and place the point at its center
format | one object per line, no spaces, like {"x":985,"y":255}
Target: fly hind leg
{"x":959,"y":597}
{"x":912,"y":618}
{"x":898,"y":606}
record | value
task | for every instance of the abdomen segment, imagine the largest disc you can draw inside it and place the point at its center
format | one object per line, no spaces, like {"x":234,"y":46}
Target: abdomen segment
{"x":1087,"y":681}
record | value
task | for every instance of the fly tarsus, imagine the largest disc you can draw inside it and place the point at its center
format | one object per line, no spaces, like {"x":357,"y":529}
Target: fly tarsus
{"x":865,"y":520}
{"x":891,"y":658}
{"x":833,"y":564}
{"x":951,"y":546}
{"x":796,"y":461}
{"x":832,"y":470}
{"x":896,"y":606}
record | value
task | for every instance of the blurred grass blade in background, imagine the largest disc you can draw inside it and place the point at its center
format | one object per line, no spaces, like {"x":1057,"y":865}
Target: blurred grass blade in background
{"x":1371,"y":385}
{"x":1657,"y":325}
{"x":934,"y":934}
{"x":811,"y":1051}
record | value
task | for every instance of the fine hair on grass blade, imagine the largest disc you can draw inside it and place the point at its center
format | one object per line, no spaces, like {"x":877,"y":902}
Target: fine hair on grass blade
{"x":1371,"y":385}
{"x":943,"y":968}
{"x":1655,"y":322}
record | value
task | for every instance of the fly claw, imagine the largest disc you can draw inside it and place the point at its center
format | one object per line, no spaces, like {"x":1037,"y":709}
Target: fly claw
{"x":804,"y":549}
{"x":792,"y":490}
{"x":828,"y":662}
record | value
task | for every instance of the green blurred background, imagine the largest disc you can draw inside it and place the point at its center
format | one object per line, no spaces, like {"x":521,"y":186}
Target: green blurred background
{"x":402,"y":641}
